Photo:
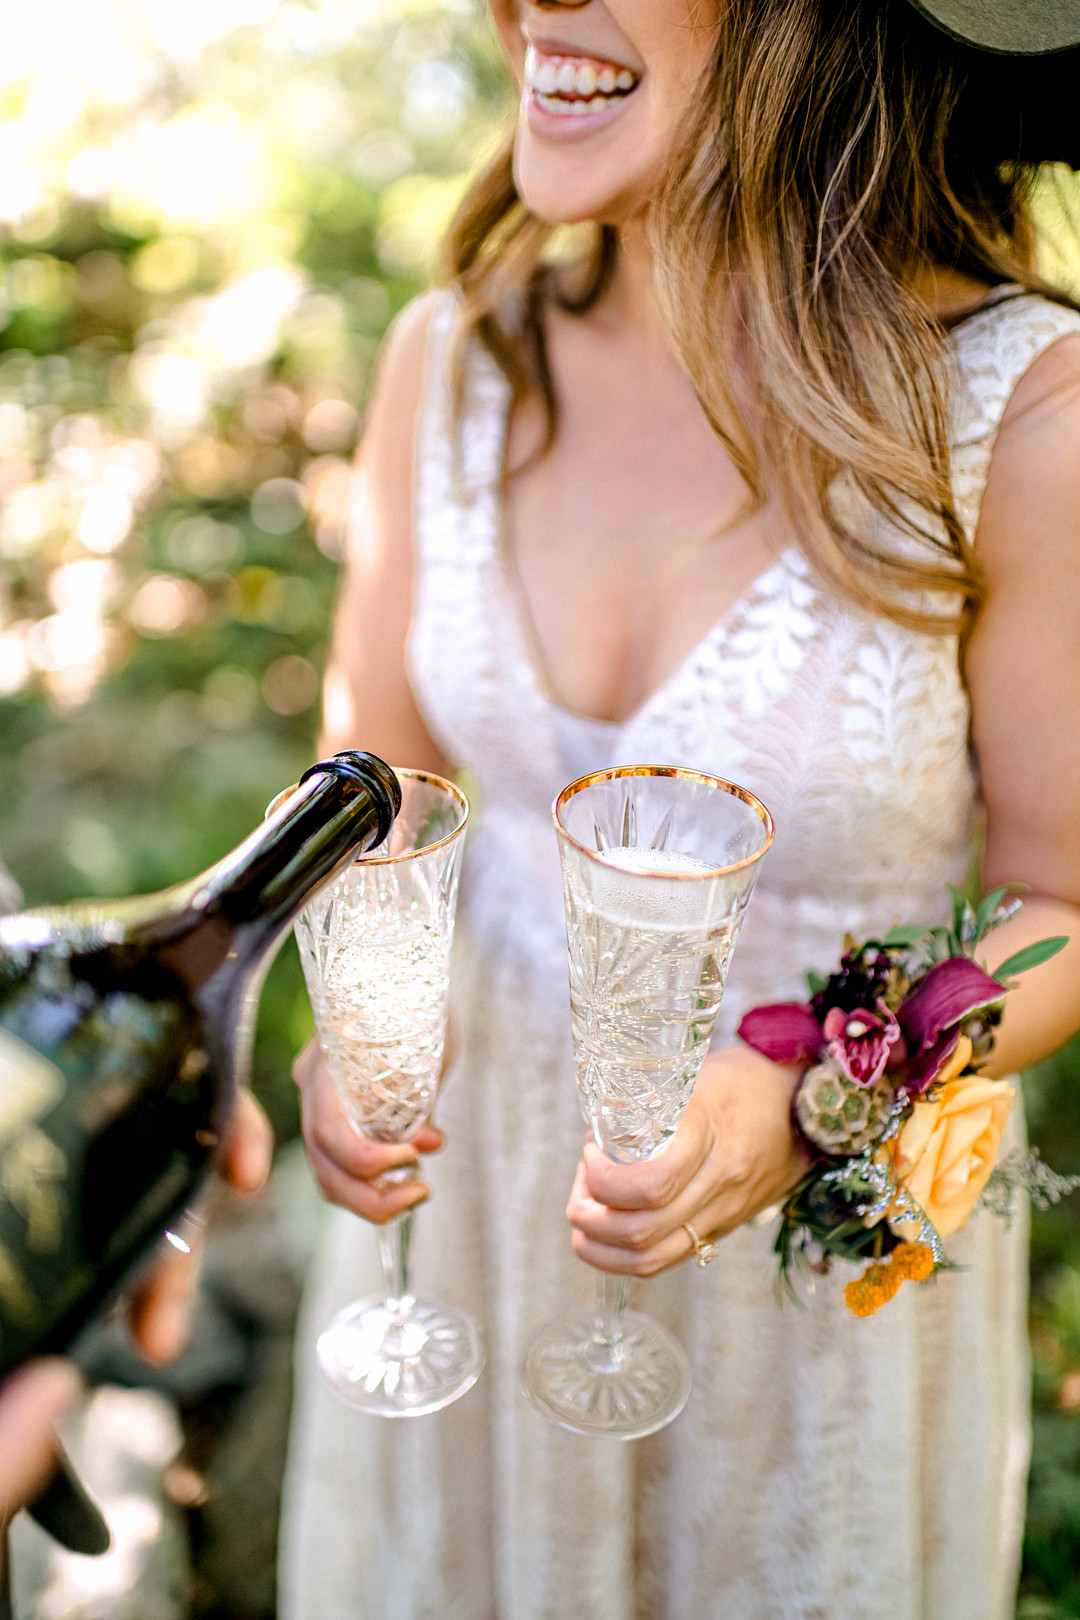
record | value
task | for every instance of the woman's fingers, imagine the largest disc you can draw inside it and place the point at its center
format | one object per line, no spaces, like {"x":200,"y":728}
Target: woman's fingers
{"x":734,"y":1154}
{"x":347,"y":1166}
{"x":369,"y":1199}
{"x":31,"y":1402}
{"x":428,"y":1140}
{"x":327,"y":1131}
{"x":671,"y":1251}
{"x":643,"y":1244}
{"x":646,"y":1241}
{"x":654,"y":1183}
{"x":248,"y":1149}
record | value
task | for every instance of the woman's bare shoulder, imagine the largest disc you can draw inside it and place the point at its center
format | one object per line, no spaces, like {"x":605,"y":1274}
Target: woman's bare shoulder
{"x":367,"y":691}
{"x":385,"y":455}
{"x":400,"y":377}
{"x":1032,"y":502}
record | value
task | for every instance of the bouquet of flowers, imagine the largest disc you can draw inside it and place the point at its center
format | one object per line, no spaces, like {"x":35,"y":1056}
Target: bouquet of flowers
{"x":901,"y":1128}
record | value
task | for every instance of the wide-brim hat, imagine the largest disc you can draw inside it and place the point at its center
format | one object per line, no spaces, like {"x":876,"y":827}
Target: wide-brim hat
{"x":1008,"y":27}
{"x":1021,"y":61}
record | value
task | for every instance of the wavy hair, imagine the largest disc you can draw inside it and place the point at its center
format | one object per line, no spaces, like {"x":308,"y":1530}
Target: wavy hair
{"x":837,"y":150}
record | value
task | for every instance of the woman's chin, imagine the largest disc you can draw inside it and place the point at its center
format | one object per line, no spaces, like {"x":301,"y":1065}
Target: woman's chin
{"x":560,"y":194}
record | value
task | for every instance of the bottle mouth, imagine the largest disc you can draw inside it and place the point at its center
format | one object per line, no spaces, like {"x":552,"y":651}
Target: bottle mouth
{"x":369,"y":773}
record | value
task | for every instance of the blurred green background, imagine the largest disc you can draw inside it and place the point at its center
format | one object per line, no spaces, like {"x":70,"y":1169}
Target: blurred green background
{"x":209,"y":212}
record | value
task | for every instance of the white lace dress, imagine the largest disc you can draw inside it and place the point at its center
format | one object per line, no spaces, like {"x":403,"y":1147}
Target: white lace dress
{"x":825,"y":1468}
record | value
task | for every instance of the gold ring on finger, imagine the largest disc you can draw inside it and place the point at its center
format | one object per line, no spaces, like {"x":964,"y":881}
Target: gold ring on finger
{"x":703,"y":1252}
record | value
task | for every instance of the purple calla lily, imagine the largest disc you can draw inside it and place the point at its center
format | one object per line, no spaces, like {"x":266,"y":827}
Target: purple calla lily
{"x":786,"y":1032}
{"x":931,"y":1015}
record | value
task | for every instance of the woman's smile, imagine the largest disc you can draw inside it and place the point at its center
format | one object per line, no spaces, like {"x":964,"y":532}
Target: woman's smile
{"x":569,"y":95}
{"x":603,"y":90}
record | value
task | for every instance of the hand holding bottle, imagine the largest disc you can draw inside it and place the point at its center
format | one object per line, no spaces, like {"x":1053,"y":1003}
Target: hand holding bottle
{"x":158,"y":1303}
{"x":125,"y":1028}
{"x":38,"y":1395}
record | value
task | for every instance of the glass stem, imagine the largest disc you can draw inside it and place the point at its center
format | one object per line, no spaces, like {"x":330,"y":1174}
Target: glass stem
{"x":395,"y":1242}
{"x":611,"y":1295}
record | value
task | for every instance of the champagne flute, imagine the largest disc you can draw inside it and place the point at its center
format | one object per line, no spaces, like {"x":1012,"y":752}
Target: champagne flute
{"x":658,"y":867}
{"x":375,"y":947}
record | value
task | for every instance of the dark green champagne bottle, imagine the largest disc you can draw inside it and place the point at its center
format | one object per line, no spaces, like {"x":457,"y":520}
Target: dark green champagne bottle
{"x":125,"y":1027}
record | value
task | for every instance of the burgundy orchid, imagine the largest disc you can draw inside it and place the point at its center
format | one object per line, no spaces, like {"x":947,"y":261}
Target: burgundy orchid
{"x":861,"y":1041}
{"x":931,"y":1016}
{"x":786,"y":1032}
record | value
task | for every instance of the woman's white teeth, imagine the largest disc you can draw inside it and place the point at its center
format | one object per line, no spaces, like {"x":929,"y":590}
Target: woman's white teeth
{"x":553,"y":80}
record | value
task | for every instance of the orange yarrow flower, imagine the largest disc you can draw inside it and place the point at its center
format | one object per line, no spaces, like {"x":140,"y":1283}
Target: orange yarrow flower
{"x":909,"y":1262}
{"x":913,"y":1261}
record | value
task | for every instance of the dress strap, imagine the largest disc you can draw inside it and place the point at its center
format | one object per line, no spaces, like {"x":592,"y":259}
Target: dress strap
{"x":991,"y":350}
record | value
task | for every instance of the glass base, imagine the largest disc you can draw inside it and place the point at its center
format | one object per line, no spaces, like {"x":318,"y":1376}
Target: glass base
{"x":400,"y":1358}
{"x":621,"y":1386}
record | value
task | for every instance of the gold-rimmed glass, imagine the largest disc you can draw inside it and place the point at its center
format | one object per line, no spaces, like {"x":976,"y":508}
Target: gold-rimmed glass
{"x":658,"y":866}
{"x":375,"y":946}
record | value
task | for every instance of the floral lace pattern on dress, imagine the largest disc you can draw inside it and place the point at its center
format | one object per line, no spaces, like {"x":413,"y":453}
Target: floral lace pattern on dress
{"x":806,"y":1430}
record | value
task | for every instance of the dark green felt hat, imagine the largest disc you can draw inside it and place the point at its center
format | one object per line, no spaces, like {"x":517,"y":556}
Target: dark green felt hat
{"x":1008,"y":27}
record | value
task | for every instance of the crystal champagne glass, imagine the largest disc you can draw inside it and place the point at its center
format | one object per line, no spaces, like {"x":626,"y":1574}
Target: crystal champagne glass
{"x":658,"y":867}
{"x":375,"y":947}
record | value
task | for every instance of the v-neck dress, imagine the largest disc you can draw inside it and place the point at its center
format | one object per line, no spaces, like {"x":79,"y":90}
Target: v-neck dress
{"x":825,"y":1468}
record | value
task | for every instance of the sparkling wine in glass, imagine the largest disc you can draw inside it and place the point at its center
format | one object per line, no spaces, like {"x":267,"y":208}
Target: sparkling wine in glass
{"x":375,"y":947}
{"x":658,"y":867}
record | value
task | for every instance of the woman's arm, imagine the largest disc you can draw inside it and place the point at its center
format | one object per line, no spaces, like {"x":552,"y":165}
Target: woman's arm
{"x":367,"y":700}
{"x":368,"y":703}
{"x":734,"y":1152}
{"x":1023,"y":671}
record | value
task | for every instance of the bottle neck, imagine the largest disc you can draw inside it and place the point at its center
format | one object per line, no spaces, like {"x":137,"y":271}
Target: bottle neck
{"x":236,"y":910}
{"x":328,"y":818}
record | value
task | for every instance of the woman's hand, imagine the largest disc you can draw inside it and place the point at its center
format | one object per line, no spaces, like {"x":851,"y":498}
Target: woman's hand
{"x":346,"y":1165}
{"x":734,"y":1153}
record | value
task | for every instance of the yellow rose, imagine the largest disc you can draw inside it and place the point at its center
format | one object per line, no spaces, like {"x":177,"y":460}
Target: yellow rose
{"x":947,"y":1149}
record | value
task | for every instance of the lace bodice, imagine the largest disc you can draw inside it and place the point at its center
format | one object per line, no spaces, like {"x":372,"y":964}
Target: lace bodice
{"x":852,"y":730}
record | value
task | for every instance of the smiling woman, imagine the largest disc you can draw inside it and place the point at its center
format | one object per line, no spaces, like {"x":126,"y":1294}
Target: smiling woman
{"x":778,"y":481}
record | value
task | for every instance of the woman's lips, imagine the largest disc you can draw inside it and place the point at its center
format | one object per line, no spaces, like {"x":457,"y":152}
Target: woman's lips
{"x":576,"y":86}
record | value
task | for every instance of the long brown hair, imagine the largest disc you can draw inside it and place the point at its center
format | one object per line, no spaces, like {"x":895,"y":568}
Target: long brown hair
{"x":837,"y":149}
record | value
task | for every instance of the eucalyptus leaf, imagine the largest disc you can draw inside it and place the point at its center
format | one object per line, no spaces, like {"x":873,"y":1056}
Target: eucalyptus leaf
{"x":1031,"y":956}
{"x":905,"y":934}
